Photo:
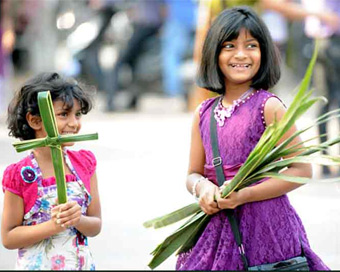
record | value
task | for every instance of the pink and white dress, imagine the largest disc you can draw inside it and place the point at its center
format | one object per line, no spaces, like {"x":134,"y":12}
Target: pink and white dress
{"x":67,"y":250}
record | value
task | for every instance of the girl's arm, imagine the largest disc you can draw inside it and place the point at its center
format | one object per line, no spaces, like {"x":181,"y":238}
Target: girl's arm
{"x":69,"y":214}
{"x":205,"y":189}
{"x":272,"y":187}
{"x":13,"y":234}
{"x":91,"y":224}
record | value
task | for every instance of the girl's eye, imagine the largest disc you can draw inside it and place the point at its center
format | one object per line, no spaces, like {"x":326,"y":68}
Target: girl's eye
{"x":79,"y":114}
{"x":228,"y":46}
{"x":252,"y":45}
{"x":63,"y":114}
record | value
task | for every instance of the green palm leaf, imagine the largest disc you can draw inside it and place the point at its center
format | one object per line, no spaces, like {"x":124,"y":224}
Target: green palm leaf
{"x":173,"y":242}
{"x":54,"y":141}
{"x":264,"y":161}
{"x":173,"y":217}
{"x":30,"y":144}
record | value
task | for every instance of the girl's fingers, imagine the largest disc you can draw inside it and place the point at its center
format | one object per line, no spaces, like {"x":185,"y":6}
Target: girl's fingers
{"x":67,"y":206}
{"x":224,"y":185}
{"x":70,"y":220}
{"x":71,"y":210}
{"x":209,"y":210}
{"x":70,"y":223}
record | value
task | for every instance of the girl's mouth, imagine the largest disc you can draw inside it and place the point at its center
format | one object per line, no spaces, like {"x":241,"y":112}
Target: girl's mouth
{"x":235,"y":65}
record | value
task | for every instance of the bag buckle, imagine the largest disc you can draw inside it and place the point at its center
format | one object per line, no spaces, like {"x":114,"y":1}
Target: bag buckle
{"x":216,"y":161}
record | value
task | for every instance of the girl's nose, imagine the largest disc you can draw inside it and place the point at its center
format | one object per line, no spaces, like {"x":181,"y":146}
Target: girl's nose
{"x":73,"y":121}
{"x":240,"y":53}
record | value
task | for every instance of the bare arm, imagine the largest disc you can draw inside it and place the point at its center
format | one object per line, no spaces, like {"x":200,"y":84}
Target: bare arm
{"x":205,"y":189}
{"x":13,"y":233}
{"x":90,"y":225}
{"x":270,"y":188}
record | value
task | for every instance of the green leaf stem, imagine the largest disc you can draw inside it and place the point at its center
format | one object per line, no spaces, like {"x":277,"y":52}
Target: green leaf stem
{"x":54,"y":141}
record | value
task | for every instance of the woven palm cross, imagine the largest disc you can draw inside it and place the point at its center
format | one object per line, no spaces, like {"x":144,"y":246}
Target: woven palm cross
{"x":54,"y":141}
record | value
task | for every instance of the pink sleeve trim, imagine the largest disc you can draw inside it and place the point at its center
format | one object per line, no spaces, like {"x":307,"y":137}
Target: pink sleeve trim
{"x":5,"y":188}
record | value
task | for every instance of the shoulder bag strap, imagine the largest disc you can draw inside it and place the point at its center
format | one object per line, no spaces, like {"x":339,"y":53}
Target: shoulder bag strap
{"x":217,"y":163}
{"x":217,"y":160}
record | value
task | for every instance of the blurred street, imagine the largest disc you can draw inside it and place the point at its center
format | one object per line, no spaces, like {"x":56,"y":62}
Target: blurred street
{"x":145,"y":97}
{"x":142,"y":160}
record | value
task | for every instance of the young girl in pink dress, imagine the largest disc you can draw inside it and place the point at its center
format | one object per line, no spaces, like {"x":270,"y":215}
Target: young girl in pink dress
{"x":49,"y":236}
{"x":239,"y":62}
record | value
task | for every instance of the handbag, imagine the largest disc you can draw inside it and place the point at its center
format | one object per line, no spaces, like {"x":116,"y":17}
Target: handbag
{"x":294,"y":264}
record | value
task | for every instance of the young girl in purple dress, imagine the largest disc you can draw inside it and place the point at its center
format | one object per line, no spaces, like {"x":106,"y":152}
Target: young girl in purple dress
{"x":48,"y":235}
{"x":240,"y":63}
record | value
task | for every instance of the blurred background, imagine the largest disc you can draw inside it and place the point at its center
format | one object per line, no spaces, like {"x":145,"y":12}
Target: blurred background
{"x":141,"y":58}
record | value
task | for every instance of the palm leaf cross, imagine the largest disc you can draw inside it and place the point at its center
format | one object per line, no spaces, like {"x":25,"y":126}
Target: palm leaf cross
{"x":53,"y":140}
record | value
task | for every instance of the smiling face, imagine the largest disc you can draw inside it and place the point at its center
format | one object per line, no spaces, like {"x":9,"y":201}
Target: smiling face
{"x":68,"y":119}
{"x":240,"y":60}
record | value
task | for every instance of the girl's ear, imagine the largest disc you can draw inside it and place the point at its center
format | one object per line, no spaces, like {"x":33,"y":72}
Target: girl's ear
{"x":34,"y":121}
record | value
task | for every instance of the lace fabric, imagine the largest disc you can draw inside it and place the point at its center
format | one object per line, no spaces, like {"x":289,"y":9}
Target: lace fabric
{"x":270,"y":229}
{"x":221,"y":113}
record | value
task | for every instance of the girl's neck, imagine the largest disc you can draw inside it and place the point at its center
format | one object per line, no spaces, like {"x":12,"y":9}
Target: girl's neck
{"x":42,"y":153}
{"x":233,"y":93}
{"x":44,"y":160}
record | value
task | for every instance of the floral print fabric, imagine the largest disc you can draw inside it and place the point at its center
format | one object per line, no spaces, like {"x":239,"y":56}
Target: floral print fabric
{"x":67,"y":250}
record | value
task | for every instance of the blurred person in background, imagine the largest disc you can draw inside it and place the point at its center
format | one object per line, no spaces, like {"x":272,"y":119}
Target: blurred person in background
{"x":7,"y":41}
{"x":177,"y":40}
{"x":278,"y":27}
{"x":147,"y":19}
{"x":41,"y":35}
{"x":322,"y":21}
{"x":89,"y":56}
{"x":329,"y":59}
{"x":287,"y":8}
{"x":207,"y":12}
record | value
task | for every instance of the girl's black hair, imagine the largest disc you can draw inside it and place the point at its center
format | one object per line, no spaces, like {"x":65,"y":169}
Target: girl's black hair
{"x":226,"y":27}
{"x":26,"y":100}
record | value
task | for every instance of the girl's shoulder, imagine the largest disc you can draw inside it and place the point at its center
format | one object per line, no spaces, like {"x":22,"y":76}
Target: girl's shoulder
{"x":263,"y":96}
{"x":82,"y":154}
{"x":17,"y":174}
{"x":85,"y":163}
{"x":206,"y":105}
{"x":21,"y":179}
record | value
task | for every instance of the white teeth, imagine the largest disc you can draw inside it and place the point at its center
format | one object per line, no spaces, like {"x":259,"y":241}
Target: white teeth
{"x":240,"y":65}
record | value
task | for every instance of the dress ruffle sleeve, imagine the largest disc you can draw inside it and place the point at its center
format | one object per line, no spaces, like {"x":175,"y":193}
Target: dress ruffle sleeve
{"x":11,"y":181}
{"x":14,"y":182}
{"x":85,"y":164}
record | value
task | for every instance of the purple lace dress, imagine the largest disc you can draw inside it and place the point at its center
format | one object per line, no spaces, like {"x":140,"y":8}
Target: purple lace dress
{"x":270,"y":229}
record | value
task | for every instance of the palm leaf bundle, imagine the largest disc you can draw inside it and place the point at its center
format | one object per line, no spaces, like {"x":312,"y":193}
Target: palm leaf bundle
{"x":54,"y":141}
{"x":264,"y":161}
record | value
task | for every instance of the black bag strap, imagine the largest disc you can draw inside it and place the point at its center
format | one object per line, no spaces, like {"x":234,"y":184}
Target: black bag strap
{"x":221,"y":178}
{"x":217,"y":160}
{"x":217,"y":163}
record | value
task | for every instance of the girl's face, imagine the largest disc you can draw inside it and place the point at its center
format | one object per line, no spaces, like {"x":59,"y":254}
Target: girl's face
{"x":68,"y":120}
{"x":240,"y":59}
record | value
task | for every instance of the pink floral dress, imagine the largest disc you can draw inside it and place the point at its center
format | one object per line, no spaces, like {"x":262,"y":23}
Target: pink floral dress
{"x":68,"y":250}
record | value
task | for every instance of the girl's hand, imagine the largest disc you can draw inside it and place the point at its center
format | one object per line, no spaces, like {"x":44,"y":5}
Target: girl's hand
{"x":67,"y":215}
{"x":207,"y":192}
{"x":234,"y":200}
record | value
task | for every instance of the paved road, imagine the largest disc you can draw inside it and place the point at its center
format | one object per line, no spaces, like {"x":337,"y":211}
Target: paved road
{"x":141,"y":175}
